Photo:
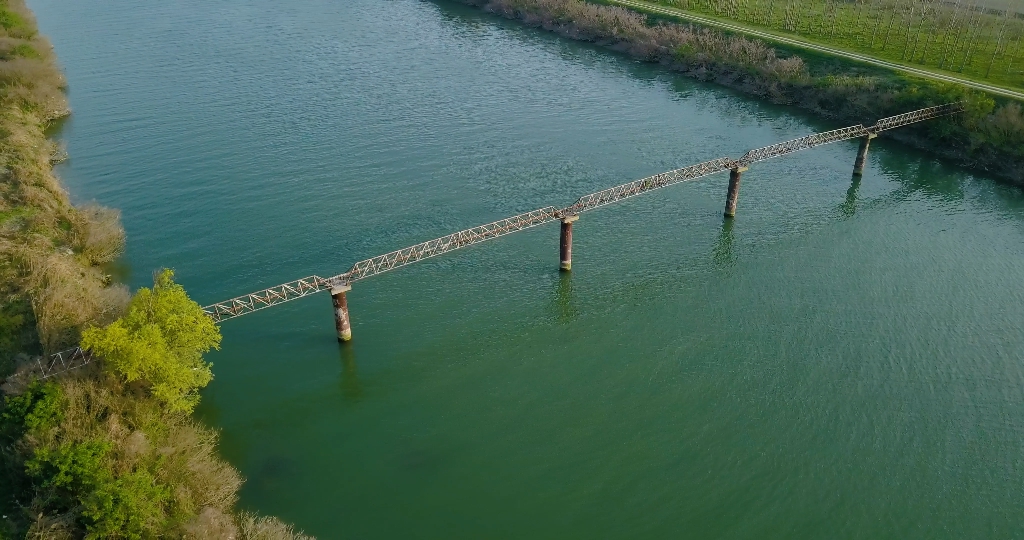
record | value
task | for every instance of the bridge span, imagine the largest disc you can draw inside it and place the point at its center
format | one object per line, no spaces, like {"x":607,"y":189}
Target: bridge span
{"x":340,"y":284}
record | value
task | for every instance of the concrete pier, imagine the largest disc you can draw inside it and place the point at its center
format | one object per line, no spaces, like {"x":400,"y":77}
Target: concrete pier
{"x":565,"y":245}
{"x":734,"y":191}
{"x":341,"y":320}
{"x":862,"y":154}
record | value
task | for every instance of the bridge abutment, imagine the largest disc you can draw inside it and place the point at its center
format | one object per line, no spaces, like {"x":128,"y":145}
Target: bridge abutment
{"x":734,"y":191}
{"x":341,"y":319}
{"x":565,"y":245}
{"x":862,"y":154}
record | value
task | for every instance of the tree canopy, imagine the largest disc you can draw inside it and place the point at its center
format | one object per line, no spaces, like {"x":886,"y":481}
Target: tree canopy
{"x":160,"y":341}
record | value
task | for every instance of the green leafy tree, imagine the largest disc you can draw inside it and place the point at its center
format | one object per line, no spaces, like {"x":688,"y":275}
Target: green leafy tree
{"x":127,"y":507}
{"x":160,"y":341}
{"x":38,"y":408}
{"x":79,"y":475}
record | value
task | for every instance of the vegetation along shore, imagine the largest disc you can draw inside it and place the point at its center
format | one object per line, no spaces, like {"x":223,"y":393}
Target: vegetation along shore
{"x":970,"y":39}
{"x":110,"y":451}
{"x":988,"y":136}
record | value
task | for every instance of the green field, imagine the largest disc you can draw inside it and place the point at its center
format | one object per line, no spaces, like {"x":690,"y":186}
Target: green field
{"x":975,"y":39}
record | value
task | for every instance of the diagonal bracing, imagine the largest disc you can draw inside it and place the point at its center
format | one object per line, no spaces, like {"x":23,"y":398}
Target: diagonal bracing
{"x":256,"y":301}
{"x":242,"y":305}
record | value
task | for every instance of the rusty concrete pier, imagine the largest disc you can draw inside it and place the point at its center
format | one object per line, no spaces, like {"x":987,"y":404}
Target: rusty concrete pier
{"x":862,"y":154}
{"x":733,"y":195}
{"x":341,"y":320}
{"x":565,"y":243}
{"x":341,"y":283}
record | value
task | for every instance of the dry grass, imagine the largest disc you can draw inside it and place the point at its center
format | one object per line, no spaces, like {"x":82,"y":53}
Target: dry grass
{"x":104,"y":238}
{"x":212,"y":524}
{"x":51,"y":288}
{"x":179,"y":453}
{"x":703,"y":53}
{"x":254,"y":527}
{"x":67,"y":296}
{"x":49,"y":250}
{"x":142,"y":432}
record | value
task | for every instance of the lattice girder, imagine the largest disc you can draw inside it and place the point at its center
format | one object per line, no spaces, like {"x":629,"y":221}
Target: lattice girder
{"x":235,"y":307}
{"x":920,"y":115}
{"x":266,"y":298}
{"x":432,"y":248}
{"x":643,"y":185}
{"x":803,"y":143}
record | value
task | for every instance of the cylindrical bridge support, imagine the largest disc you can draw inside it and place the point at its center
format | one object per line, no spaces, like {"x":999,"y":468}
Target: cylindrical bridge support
{"x":341,"y":320}
{"x":862,"y":154}
{"x":734,"y":191}
{"x":565,"y":245}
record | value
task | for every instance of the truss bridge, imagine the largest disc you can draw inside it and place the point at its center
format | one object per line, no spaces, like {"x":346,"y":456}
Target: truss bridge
{"x":341,"y":283}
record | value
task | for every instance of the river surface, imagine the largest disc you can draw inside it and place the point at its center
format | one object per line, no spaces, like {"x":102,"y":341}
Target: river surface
{"x":843,"y":361}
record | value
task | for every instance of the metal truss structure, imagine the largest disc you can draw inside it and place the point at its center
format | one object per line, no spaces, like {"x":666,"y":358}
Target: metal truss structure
{"x":919,"y":115}
{"x":58,"y":363}
{"x":235,"y":307}
{"x":636,"y":187}
{"x":266,"y":298}
{"x":852,"y":132}
{"x":803,"y":143}
{"x":438,"y":246}
{"x":377,"y":265}
{"x":389,"y":261}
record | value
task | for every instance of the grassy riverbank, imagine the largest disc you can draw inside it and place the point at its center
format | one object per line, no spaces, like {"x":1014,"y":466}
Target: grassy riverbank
{"x":100,"y":453}
{"x":989,"y":136}
{"x":961,"y":38}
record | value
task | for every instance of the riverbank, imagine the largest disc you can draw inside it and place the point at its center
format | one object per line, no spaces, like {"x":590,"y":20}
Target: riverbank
{"x":988,"y":136}
{"x":775,"y":36}
{"x":150,"y":471}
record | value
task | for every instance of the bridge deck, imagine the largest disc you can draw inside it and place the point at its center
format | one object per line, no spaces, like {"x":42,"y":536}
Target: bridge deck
{"x":248,"y":303}
{"x":241,"y":305}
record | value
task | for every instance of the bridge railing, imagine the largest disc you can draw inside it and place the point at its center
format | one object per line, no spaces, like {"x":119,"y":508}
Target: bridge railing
{"x":432,"y":248}
{"x":57,"y":363}
{"x":636,"y":187}
{"x":242,"y":305}
{"x":272,"y":296}
{"x":919,"y":115}
{"x":389,"y":261}
{"x":803,"y":143}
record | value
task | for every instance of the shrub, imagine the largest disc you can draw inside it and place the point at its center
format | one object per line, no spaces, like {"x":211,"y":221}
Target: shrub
{"x":253,"y":527}
{"x":67,"y":297}
{"x":160,"y":341}
{"x":79,"y":474}
{"x":104,"y":236}
{"x":127,"y":507}
{"x":40,"y":407}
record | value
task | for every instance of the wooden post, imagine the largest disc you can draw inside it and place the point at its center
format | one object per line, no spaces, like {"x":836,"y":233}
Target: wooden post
{"x":341,"y":320}
{"x":862,"y":154}
{"x":734,"y":191}
{"x":565,"y":245}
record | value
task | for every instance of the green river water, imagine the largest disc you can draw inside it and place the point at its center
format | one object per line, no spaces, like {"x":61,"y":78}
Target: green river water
{"x":843,"y":361}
